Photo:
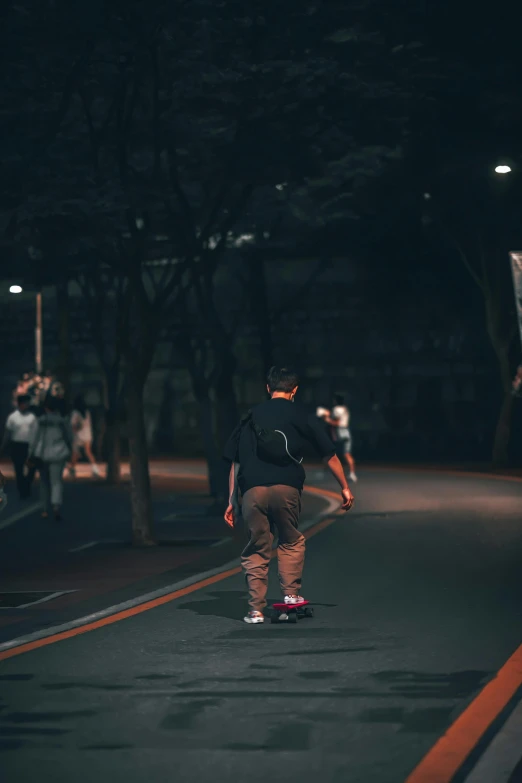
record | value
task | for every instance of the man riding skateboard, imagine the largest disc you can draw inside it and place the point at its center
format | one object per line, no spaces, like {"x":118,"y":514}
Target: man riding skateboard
{"x":267,"y":447}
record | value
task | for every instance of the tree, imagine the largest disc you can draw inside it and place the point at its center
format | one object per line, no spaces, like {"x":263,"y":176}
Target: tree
{"x":182,"y":124}
{"x":464,"y":122}
{"x":478,"y":218}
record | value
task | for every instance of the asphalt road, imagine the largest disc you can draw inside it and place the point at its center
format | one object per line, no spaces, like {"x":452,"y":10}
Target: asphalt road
{"x":418,"y":596}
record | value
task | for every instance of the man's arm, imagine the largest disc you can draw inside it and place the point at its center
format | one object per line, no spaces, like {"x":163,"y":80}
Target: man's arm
{"x":232,"y":508}
{"x":330,"y":420}
{"x":336,"y":469}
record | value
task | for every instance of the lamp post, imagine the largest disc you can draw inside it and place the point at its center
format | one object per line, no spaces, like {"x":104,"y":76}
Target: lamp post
{"x":38,"y":333}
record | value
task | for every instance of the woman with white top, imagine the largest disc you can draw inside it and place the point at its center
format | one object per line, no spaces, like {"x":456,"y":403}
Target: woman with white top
{"x":339,"y":420}
{"x":81,"y":423}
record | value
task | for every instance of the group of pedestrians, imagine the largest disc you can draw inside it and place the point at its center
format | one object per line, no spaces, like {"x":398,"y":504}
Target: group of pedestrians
{"x":44,"y":439}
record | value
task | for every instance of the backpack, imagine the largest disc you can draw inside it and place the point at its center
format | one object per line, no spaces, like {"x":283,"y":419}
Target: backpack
{"x":271,"y":445}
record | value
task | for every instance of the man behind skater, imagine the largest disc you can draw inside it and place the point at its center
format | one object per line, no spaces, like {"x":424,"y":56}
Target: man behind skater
{"x":267,"y":445}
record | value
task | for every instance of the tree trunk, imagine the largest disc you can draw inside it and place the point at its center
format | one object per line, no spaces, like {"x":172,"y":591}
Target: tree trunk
{"x":503,"y":432}
{"x":112,"y":446}
{"x":227,"y":415}
{"x":141,"y":497}
{"x":63,"y":370}
{"x":259,"y":300}
{"x":212,"y":455}
{"x":112,"y":426}
{"x":500,"y":456}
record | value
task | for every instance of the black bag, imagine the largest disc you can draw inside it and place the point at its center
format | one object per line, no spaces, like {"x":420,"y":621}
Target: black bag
{"x":271,"y":445}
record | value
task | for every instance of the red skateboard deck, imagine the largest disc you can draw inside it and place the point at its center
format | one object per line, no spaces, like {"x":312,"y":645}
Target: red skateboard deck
{"x":282,"y":607}
{"x":291,"y":612}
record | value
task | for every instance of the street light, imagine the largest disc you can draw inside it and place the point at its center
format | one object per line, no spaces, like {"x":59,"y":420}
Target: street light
{"x":503,"y":169}
{"x":38,"y":342}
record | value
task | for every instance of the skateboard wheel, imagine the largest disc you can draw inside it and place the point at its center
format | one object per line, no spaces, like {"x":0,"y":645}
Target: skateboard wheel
{"x":292,"y":617}
{"x":309,"y":612}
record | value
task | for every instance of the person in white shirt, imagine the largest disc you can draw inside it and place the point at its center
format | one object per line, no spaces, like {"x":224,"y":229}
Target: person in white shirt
{"x":339,"y":420}
{"x":18,"y":431}
{"x":81,"y":423}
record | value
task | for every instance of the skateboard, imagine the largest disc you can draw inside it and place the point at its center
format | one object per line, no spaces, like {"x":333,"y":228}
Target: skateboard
{"x":290,"y":613}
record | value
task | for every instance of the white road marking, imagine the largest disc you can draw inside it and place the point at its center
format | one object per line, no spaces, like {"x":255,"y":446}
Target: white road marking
{"x":39,"y":600}
{"x":24,"y":512}
{"x":80,"y":548}
{"x":503,"y":754}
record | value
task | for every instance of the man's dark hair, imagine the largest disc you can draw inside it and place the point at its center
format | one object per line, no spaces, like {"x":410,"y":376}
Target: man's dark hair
{"x":23,"y":399}
{"x":339,"y":399}
{"x":282,"y":379}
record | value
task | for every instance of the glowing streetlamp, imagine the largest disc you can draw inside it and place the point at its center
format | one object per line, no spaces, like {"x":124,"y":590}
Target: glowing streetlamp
{"x":503,"y":169}
{"x":16,"y":289}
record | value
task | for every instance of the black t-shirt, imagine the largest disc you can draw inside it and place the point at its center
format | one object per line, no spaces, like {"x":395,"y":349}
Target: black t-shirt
{"x":300,"y":428}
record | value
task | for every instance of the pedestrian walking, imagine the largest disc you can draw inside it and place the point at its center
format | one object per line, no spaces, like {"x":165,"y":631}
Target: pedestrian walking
{"x":18,"y":431}
{"x":339,"y":420}
{"x":267,"y":445}
{"x":49,"y":450}
{"x":81,"y":423}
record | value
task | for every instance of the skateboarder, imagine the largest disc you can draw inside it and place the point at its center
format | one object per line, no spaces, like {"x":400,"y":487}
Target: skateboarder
{"x":267,"y":445}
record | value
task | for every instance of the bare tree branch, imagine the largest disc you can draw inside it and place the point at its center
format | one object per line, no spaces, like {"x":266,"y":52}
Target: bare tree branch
{"x":464,"y":258}
{"x":303,"y":289}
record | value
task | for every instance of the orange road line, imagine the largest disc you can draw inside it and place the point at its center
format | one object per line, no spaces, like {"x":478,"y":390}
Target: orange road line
{"x":164,"y":599}
{"x":452,"y":749}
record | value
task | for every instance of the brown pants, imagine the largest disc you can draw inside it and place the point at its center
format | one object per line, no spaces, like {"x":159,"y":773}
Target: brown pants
{"x":267,"y":510}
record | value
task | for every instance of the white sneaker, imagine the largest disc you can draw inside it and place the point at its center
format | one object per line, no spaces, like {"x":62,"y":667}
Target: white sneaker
{"x":254,"y":617}
{"x":96,"y":471}
{"x":293,"y":599}
{"x":353,"y":477}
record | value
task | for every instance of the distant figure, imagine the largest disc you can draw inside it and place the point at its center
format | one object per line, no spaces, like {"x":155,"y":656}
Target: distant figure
{"x":339,"y":420}
{"x":18,"y":431}
{"x":81,"y":424}
{"x":49,"y":450}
